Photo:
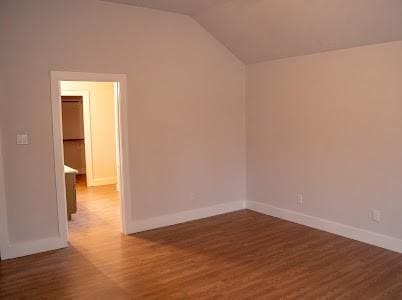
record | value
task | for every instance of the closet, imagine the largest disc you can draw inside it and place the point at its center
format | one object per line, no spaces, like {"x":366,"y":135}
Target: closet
{"x":73,"y":132}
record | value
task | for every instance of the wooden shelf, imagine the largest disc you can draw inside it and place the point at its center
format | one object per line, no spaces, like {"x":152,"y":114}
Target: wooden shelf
{"x":72,"y":140}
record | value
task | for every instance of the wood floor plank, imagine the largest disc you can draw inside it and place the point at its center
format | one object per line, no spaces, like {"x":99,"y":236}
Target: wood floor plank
{"x":241,"y":255}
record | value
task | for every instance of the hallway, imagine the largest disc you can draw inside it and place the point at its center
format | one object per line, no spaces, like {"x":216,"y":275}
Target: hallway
{"x":98,"y":213}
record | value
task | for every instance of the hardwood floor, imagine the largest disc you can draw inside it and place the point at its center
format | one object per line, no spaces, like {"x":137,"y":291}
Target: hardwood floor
{"x":241,"y":255}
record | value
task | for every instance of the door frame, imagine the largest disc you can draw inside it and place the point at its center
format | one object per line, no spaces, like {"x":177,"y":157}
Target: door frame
{"x":121,"y":80}
{"x":4,"y":239}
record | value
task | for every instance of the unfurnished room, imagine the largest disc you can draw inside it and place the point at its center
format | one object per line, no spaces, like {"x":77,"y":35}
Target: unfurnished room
{"x":201,"y":149}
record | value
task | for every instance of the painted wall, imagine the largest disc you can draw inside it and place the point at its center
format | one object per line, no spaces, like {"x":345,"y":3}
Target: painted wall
{"x":329,"y":126}
{"x":103,"y":133}
{"x":185,"y":106}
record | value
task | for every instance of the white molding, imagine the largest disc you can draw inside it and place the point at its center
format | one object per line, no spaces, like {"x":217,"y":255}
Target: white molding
{"x":121,"y":79}
{"x":124,"y":170}
{"x":87,"y":130}
{"x":104,"y":181}
{"x":59,"y":157}
{"x":4,"y":239}
{"x":32,"y":247}
{"x":117,"y":133}
{"x":184,"y":216}
{"x":365,"y":236}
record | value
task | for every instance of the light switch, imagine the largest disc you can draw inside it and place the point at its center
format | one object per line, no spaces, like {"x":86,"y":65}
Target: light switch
{"x":22,"y":139}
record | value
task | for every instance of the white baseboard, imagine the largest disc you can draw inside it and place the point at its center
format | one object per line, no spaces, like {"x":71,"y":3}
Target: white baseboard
{"x":365,"y":236}
{"x":104,"y":181}
{"x":380,"y":240}
{"x":184,"y":216}
{"x":32,"y":247}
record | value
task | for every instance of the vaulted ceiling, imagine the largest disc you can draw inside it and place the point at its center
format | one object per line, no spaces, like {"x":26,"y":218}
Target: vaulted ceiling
{"x":260,"y":30}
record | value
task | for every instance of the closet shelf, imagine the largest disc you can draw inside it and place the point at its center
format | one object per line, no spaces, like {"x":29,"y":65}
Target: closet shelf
{"x":72,"y":140}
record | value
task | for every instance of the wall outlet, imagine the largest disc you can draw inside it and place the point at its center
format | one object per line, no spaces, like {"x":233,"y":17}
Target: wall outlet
{"x":300,"y":199}
{"x":22,"y":139}
{"x":375,"y":215}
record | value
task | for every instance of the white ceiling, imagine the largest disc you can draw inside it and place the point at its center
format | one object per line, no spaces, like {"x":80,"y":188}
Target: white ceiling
{"x":260,"y":30}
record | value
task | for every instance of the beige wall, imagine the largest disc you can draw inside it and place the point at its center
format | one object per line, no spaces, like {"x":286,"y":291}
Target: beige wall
{"x":101,"y":99}
{"x":185,"y":105}
{"x":329,"y":126}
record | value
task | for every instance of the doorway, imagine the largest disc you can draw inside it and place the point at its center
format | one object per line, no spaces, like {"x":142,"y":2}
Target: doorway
{"x":93,"y":147}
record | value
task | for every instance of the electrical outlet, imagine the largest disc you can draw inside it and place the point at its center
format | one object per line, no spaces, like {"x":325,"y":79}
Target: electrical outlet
{"x":22,"y":139}
{"x":375,"y":215}
{"x":300,"y":199}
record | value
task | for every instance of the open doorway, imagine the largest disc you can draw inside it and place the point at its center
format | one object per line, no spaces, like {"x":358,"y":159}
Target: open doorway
{"x":91,"y":155}
{"x":90,"y":149}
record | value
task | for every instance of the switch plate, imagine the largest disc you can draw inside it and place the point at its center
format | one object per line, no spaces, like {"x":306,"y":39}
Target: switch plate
{"x":22,"y":139}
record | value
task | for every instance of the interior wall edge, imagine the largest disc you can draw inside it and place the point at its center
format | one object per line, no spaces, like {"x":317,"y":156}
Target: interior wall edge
{"x":326,"y":52}
{"x":221,"y":43}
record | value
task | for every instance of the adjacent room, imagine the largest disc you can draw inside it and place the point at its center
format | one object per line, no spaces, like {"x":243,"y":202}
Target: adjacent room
{"x":200,"y":149}
{"x":89,"y":116}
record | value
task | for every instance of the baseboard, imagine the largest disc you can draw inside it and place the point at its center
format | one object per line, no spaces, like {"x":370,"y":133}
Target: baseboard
{"x":104,"y":181}
{"x":184,"y":216}
{"x":365,"y":236}
{"x":32,"y":247}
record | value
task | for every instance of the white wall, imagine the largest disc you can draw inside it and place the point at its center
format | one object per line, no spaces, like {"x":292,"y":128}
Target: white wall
{"x":329,"y":126}
{"x":185,"y":106}
{"x":102,"y":124}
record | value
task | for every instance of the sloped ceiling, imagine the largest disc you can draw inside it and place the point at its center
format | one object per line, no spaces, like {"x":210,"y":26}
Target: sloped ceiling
{"x":260,"y":30}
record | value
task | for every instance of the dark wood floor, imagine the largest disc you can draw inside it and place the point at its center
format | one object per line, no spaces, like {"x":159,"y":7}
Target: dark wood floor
{"x":241,"y":255}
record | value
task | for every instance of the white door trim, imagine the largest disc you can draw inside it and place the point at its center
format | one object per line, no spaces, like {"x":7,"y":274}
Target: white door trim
{"x":4,"y":238}
{"x":87,"y":131}
{"x":121,"y":79}
{"x":116,"y":126}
